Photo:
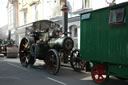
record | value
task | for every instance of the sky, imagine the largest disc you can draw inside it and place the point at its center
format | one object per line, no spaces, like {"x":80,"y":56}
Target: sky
{"x":3,"y":13}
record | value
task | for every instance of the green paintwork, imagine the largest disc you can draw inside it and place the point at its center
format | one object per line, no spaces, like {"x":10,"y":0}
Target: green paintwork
{"x":118,"y":70}
{"x":103,"y":43}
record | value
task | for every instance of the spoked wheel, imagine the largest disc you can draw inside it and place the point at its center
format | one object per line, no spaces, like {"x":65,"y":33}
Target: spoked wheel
{"x":24,"y":54}
{"x":75,"y":61}
{"x":53,"y":62}
{"x":99,"y":73}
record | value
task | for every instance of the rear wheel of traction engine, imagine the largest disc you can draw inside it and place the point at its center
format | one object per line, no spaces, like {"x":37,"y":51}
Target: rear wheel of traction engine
{"x":24,"y":54}
{"x":99,"y":73}
{"x":5,"y":54}
{"x":75,"y":60}
{"x":53,"y":62}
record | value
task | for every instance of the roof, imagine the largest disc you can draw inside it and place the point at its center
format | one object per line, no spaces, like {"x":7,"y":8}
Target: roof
{"x":111,"y":7}
{"x":42,"y":25}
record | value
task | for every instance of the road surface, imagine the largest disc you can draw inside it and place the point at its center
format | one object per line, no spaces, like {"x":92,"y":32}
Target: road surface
{"x":12,"y":73}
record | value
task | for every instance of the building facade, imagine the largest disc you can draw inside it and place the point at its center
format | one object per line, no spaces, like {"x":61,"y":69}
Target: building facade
{"x":12,"y":9}
{"x":34,"y":10}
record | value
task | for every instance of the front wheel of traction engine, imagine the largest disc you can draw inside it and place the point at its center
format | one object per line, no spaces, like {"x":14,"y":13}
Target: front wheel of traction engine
{"x":24,"y":53}
{"x":53,"y":62}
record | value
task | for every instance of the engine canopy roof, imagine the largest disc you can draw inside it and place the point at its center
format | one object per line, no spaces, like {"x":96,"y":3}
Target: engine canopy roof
{"x":45,"y":25}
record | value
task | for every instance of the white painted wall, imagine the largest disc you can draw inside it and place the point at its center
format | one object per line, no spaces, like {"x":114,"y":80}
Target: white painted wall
{"x":96,"y":4}
{"x":51,"y":9}
{"x":47,"y":11}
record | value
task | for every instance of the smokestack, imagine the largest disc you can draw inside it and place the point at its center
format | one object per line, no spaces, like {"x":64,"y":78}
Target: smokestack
{"x":9,"y":35}
{"x":65,"y":18}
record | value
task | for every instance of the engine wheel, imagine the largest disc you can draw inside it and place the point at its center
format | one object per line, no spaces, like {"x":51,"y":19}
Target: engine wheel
{"x":53,"y":62}
{"x":75,"y":61}
{"x":5,"y":54}
{"x":99,"y":73}
{"x":24,"y":54}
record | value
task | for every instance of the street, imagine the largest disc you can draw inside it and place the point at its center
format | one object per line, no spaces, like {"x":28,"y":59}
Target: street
{"x":12,"y":73}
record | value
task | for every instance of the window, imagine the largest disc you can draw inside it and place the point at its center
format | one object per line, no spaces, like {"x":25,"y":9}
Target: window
{"x":54,"y":1}
{"x":76,"y":5}
{"x":70,"y":30}
{"x":85,"y":4}
{"x":34,"y":13}
{"x":62,"y":2}
{"x":10,"y":15}
{"x":75,"y":32}
{"x":24,"y":2}
{"x":117,"y":16}
{"x":25,"y":17}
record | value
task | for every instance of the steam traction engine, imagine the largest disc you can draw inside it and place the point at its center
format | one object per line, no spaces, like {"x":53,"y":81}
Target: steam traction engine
{"x":46,"y":42}
{"x":9,"y":48}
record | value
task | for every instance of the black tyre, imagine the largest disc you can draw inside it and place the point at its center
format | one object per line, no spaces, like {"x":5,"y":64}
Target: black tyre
{"x":75,"y":60}
{"x":24,"y":53}
{"x":53,"y":62}
{"x":5,"y":54}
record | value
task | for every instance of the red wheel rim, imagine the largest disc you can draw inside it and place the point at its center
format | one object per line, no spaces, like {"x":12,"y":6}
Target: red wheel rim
{"x":99,"y":74}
